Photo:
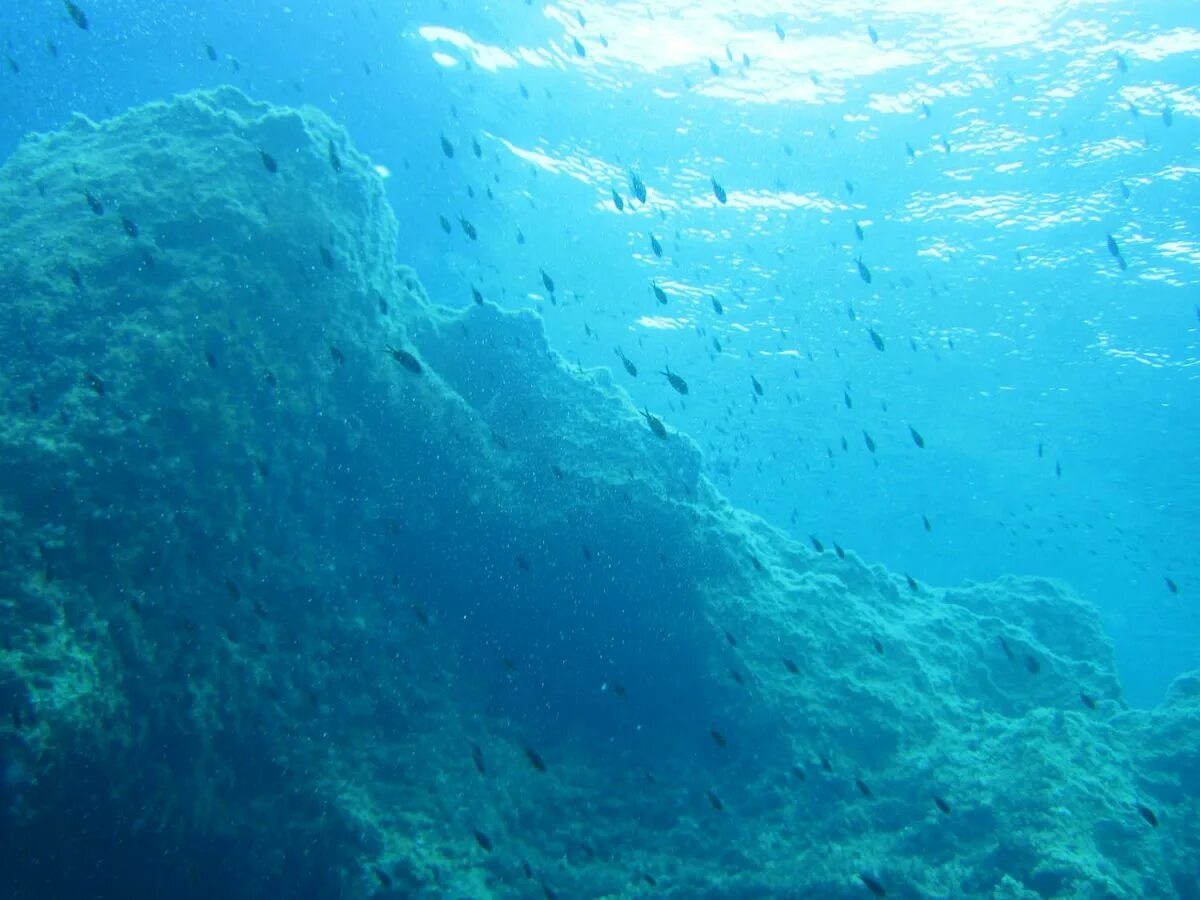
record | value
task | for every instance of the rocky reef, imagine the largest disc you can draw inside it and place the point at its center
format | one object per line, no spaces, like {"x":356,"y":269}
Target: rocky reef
{"x":310,"y":586}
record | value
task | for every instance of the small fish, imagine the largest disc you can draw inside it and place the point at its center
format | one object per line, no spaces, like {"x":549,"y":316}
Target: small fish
{"x":791,"y":666}
{"x":445,"y":223}
{"x":875,"y":338}
{"x":659,"y":294}
{"x":535,"y":759}
{"x":841,"y":554}
{"x":916,"y":436}
{"x":468,"y":228}
{"x":909,"y":151}
{"x":210,"y":359}
{"x":326,"y":257}
{"x":737,"y":676}
{"x":817,"y":545}
{"x":1057,"y":469}
{"x":1171,"y":585}
{"x":873,"y":885}
{"x":231,"y":588}
{"x":779,"y":31}
{"x":211,"y":52}
{"x":870,"y":441}
{"x":863,"y":272}
{"x":526,"y":868}
{"x":715,"y":801}
{"x":1168,"y":116}
{"x":718,"y":191}
{"x":798,"y":772}
{"x":1122,"y":65}
{"x":130,"y":226}
{"x":35,"y":405}
{"x":1087,"y":700}
{"x":94,"y":382}
{"x":476,"y":296}
{"x":1112,"y":246}
{"x":655,"y":246}
{"x":713,"y":67}
{"x":731,"y":639}
{"x":477,"y":757}
{"x":863,"y":788}
{"x":1032,"y":666}
{"x":617,"y":201}
{"x":547,"y":281}
{"x":52,"y":48}
{"x":649,"y":879}
{"x":941,"y":804}
{"x":872,"y":34}
{"x":925,"y":521}
{"x":758,"y":388}
{"x":656,"y":425}
{"x":718,"y":309}
{"x":405,"y":359}
{"x":76,"y":277}
{"x":384,"y":879}
{"x":676,"y":382}
{"x":637,"y":186}
{"x":853,"y":316}
{"x":447,"y":147}
{"x":482,"y":840}
{"x":858,"y":232}
{"x":268,"y":161}
{"x":626,"y":362}
{"x":718,"y":738}
{"x":94,"y":203}
{"x":13,"y":65}
{"x":825,"y":763}
{"x":1007,"y":649}
{"x":334,"y":159}
{"x":476,"y":149}
{"x":1148,"y":814}
{"x":912,"y":583}
{"x":579,"y":49}
{"x":77,"y":15}
{"x":878,"y":645}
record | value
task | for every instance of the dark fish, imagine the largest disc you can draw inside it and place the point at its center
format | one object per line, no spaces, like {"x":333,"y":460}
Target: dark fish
{"x":326,"y":257}
{"x":268,"y":161}
{"x":1007,"y":649}
{"x":211,"y":52}
{"x":520,"y":237}
{"x":858,"y":232}
{"x":1057,"y":469}
{"x":655,"y":246}
{"x":522,"y":563}
{"x":468,"y":228}
{"x":916,"y":436}
{"x":637,"y":186}
{"x":535,"y":759}
{"x":269,"y":378}
{"x":1112,"y":246}
{"x":526,"y":868}
{"x":1148,"y":814}
{"x":863,"y":789}
{"x":875,"y":338}
{"x":870,"y":442}
{"x":547,"y":281}
{"x":912,"y":582}
{"x":649,"y":879}
{"x":619,"y":690}
{"x":1088,"y":700}
{"x":13,"y":65}
{"x":718,"y":191}
{"x":627,"y":363}
{"x":1171,"y":585}
{"x":826,"y":764}
{"x":659,"y":294}
{"x":52,"y":48}
{"x":1032,"y":665}
{"x":76,"y":277}
{"x":482,"y":839}
{"x":758,"y":388}
{"x":445,"y":223}
{"x":447,"y":147}
{"x":877,"y":644}
{"x":941,"y":804}
{"x":737,"y":676}
{"x":791,"y":666}
{"x":130,"y":226}
{"x":476,"y":296}
{"x":676,"y":382}
{"x":231,"y":588}
{"x":477,"y":756}
{"x":77,"y":15}
{"x":841,"y":554}
{"x":851,"y":313}
{"x":405,"y":359}
{"x":1168,"y":117}
{"x":384,"y":879}
{"x":547,"y":891}
{"x":334,"y":159}
{"x":476,"y":149}
{"x":715,"y":801}
{"x":872,"y":34}
{"x":849,"y":185}
{"x":94,"y":382}
{"x":863,"y":272}
{"x":617,"y":201}
{"x":798,"y":772}
{"x":817,"y":545}
{"x":35,"y":405}
{"x":210,"y":359}
{"x":655,"y":423}
{"x":94,"y":203}
{"x":338,"y":356}
{"x":925,"y":521}
{"x":731,"y":639}
{"x":579,"y":47}
{"x":717,"y":307}
{"x":872,"y":885}
{"x":718,"y":738}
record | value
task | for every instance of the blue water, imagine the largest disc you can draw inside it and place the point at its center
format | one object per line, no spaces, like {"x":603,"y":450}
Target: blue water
{"x":990,"y":152}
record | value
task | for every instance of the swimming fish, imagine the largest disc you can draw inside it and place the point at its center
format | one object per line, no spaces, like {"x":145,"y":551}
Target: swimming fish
{"x":872,"y":34}
{"x":334,"y":159}
{"x":758,"y":388}
{"x":77,"y":15}
{"x":941,"y":804}
{"x":875,"y":338}
{"x":535,"y":759}
{"x":659,"y":294}
{"x":655,"y":246}
{"x":447,"y":147}
{"x":779,"y":31}
{"x":817,"y":545}
{"x":655,"y":423}
{"x":482,"y":840}
{"x":676,"y":382}
{"x":617,"y":201}
{"x":94,"y":203}
{"x":211,"y":52}
{"x":874,"y":886}
{"x":268,"y":161}
{"x":579,"y":47}
{"x":717,"y":308}
{"x":718,"y":738}
{"x":477,"y":757}
{"x":637,"y":186}
{"x":925,"y":521}
{"x":1171,"y":585}
{"x":405,"y":359}
{"x":870,"y":441}
{"x":858,"y":232}
{"x":791,"y":666}
{"x":863,"y":272}
{"x":718,"y":191}
{"x":626,"y":362}
{"x":1148,"y":814}
{"x":715,"y":801}
{"x":547,"y":281}
{"x":445,"y":223}
{"x":468,"y":228}
{"x":94,"y":382}
{"x":130,"y":226}
{"x":916,"y":436}
{"x":1087,"y":700}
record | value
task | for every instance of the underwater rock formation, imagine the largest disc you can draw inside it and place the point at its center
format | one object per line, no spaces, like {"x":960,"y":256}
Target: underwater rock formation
{"x":312,"y":587}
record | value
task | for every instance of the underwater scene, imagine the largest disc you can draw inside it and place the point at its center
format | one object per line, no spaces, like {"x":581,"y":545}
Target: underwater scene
{"x":579,"y":449}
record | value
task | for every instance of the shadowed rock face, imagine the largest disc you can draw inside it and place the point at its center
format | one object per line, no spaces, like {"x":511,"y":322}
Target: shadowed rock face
{"x":255,"y":569}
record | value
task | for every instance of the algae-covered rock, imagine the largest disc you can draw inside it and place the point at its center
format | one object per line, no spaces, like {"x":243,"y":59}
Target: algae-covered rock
{"x":311,"y":587}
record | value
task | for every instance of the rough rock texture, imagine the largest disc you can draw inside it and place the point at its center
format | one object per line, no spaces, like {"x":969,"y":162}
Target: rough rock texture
{"x":281,"y":616}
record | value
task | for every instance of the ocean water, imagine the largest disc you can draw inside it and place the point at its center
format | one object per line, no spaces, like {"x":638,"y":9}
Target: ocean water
{"x":929,"y":273}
